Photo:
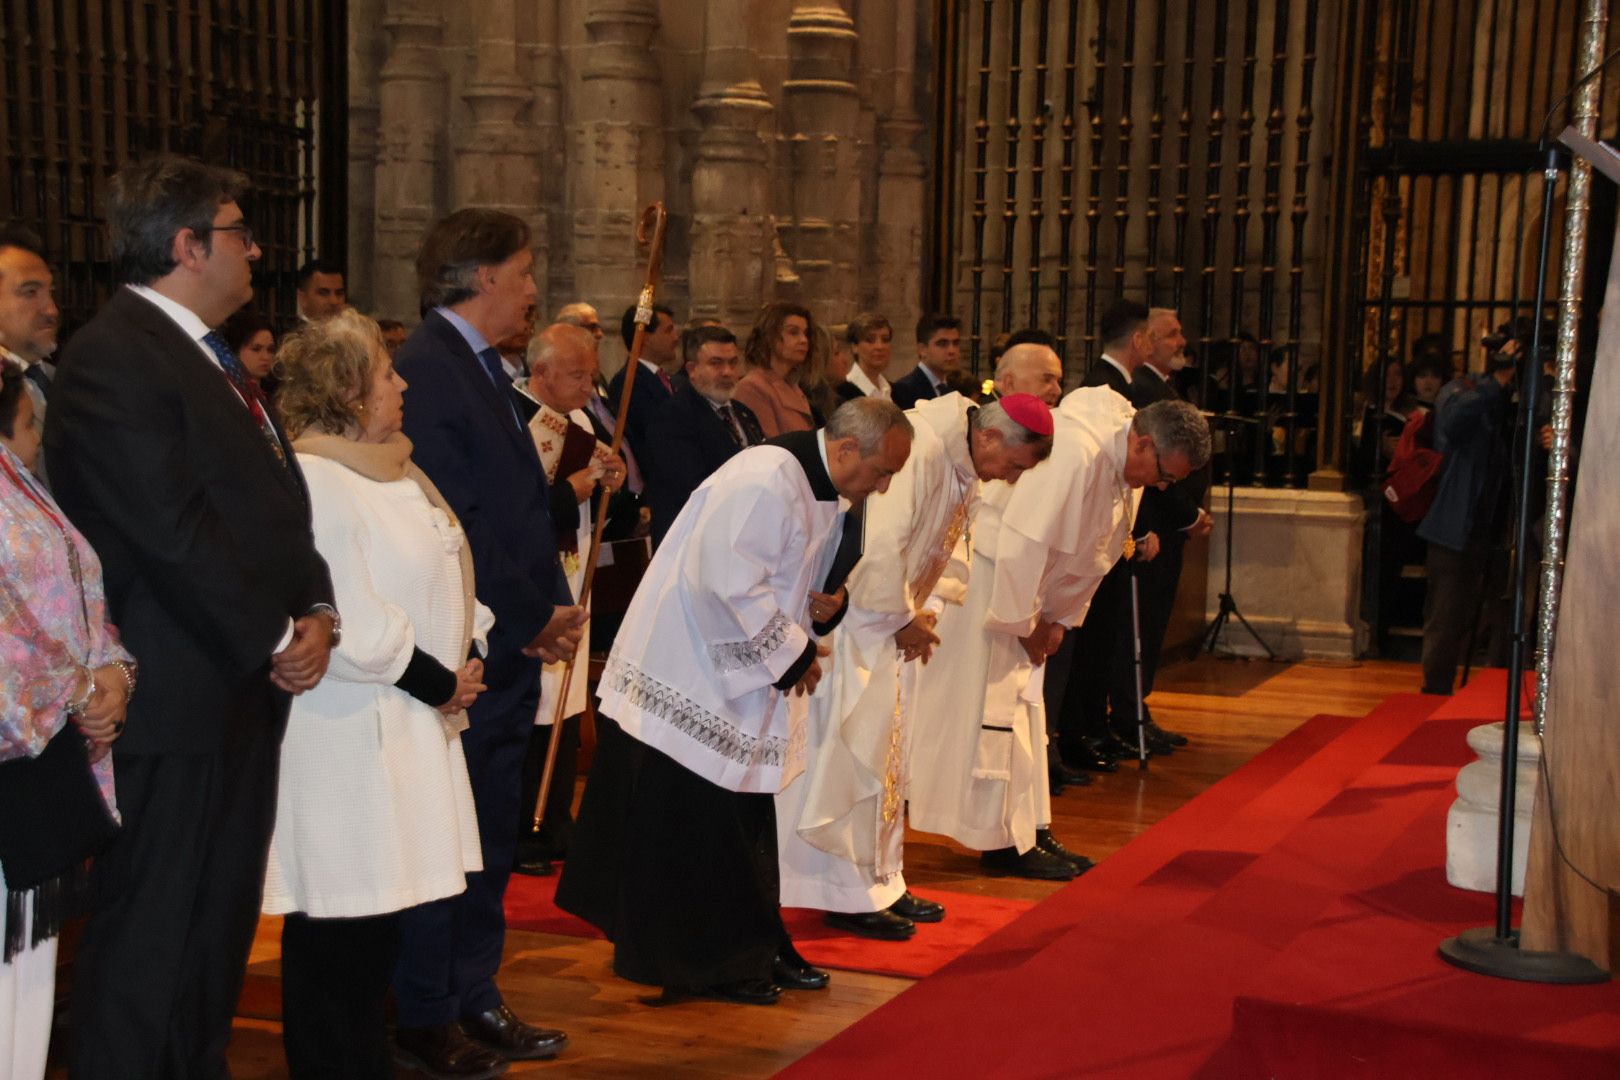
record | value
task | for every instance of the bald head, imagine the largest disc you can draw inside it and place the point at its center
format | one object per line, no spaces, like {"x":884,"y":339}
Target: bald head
{"x":562,"y":366}
{"x":582,"y":315}
{"x":1030,"y":369}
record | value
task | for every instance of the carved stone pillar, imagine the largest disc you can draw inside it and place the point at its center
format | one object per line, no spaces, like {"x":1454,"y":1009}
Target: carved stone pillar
{"x":551,"y":158}
{"x":732,"y":265}
{"x":411,"y":124}
{"x":901,"y":188}
{"x":366,"y":46}
{"x":497,"y":153}
{"x":618,"y":158}
{"x":820,"y":227}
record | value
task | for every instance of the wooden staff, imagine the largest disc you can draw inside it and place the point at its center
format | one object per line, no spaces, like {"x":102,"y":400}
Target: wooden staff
{"x":650,"y":234}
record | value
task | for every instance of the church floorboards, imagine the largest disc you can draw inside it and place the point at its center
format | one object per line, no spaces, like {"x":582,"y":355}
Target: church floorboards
{"x":1230,"y":709}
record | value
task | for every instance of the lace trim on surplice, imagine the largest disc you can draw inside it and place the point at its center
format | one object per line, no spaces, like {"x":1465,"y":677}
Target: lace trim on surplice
{"x":689,"y":718}
{"x":737,"y":655}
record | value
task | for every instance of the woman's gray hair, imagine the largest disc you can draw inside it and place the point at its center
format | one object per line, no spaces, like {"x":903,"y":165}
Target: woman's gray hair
{"x":1175,"y":426}
{"x":867,"y":420}
{"x":993,"y":417}
{"x":327,"y":367}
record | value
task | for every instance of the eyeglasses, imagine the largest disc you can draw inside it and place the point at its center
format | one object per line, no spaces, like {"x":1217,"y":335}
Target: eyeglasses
{"x":241,"y":227}
{"x":1164,"y":477}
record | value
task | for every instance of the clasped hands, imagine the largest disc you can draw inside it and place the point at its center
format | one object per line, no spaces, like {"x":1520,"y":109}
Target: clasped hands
{"x":1043,"y":641}
{"x":302,"y":664}
{"x":610,"y":473}
{"x":916,"y":639}
{"x":102,"y":720}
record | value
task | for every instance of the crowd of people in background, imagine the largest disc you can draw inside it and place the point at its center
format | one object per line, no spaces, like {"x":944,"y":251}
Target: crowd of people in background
{"x":287,"y":615}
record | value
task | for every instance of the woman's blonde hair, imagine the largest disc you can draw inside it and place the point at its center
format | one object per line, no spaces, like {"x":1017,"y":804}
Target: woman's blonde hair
{"x":326,"y":371}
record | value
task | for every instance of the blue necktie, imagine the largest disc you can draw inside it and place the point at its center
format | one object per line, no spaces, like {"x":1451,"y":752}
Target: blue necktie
{"x":491,"y":359}
{"x":36,"y":375}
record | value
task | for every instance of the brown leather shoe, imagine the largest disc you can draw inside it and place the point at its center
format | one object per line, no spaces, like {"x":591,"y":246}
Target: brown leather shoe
{"x":445,"y":1053}
{"x":501,"y":1030}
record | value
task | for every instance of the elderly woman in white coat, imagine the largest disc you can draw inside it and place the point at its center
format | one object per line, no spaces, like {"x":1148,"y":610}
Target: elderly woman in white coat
{"x":375,"y":812}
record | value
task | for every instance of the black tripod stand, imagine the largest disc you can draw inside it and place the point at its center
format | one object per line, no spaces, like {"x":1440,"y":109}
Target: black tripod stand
{"x":1231,"y":423}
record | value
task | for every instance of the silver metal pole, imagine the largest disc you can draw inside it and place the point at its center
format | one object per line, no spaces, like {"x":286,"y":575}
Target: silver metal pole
{"x":1594,"y":27}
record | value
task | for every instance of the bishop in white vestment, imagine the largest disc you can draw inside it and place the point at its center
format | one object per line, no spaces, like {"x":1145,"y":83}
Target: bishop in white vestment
{"x":1038,"y":553}
{"x":674,"y":857}
{"x":841,"y":823}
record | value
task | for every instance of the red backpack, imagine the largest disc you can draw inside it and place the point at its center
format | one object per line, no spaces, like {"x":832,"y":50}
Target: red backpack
{"x":1414,"y":470}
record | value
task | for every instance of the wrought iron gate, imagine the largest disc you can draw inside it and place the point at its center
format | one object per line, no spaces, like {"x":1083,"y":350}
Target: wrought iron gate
{"x":259,"y":85}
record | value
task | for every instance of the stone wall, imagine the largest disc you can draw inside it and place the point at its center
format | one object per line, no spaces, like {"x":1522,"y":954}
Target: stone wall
{"x":783,"y":136}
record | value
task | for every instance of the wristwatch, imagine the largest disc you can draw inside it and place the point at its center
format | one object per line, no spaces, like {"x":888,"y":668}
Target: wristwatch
{"x":337,"y":621}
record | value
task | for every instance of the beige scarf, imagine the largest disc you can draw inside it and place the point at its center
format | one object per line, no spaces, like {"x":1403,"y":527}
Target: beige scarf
{"x":386,"y":462}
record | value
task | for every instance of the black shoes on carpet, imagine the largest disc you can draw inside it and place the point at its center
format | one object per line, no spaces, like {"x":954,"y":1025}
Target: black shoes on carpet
{"x":1034,"y":864}
{"x":882,"y":925}
{"x":915,"y":908}
{"x":1045,"y":841}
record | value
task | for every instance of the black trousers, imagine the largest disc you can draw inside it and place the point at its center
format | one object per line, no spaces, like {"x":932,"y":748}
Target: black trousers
{"x":1451,"y":602}
{"x":450,"y":949}
{"x":680,"y":874}
{"x":159,"y":971}
{"x":550,"y":840}
{"x":1156,"y":582}
{"x":1099,"y":682}
{"x":334,"y":986}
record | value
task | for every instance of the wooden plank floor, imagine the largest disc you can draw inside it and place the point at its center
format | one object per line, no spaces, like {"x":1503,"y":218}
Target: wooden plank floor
{"x":1231,"y":709}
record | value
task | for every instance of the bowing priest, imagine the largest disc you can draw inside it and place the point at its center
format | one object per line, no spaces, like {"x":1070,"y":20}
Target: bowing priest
{"x":840,"y":824}
{"x":562,"y":367}
{"x":1038,"y":552}
{"x":674,"y":856}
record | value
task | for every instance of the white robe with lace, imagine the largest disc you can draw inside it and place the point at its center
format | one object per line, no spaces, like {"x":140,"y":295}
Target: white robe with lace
{"x":841,"y":824}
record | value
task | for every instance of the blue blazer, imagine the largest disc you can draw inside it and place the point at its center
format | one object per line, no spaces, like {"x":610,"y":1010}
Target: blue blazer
{"x":469,"y":442}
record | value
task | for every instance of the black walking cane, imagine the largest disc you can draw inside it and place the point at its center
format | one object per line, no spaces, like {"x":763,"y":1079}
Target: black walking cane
{"x":1136,"y":653}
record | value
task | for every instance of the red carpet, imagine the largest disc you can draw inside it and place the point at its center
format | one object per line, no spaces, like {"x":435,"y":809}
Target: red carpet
{"x":531,"y":905}
{"x":1284,"y":923}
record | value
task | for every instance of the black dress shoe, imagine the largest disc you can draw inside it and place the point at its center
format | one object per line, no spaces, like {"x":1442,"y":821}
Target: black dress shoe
{"x":745,"y":992}
{"x":445,"y":1053}
{"x":1112,"y":746}
{"x":501,"y":1030}
{"x":535,"y":868}
{"x":1049,"y":844}
{"x":915,"y":908}
{"x":1156,"y":746}
{"x":1174,"y":738}
{"x":790,"y":972}
{"x":880,"y":925}
{"x":1062,"y":776}
{"x":1084,"y":757}
{"x":1034,"y":864}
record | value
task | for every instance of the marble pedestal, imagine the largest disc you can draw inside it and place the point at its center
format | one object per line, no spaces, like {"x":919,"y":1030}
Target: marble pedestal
{"x":1471,"y":824}
{"x":1296,"y":571}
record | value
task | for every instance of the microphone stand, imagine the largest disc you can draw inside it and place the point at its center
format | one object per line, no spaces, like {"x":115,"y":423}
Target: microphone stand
{"x":1230,"y":423}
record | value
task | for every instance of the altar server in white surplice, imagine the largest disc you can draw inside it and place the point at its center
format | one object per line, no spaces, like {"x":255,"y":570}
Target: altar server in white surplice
{"x":1038,"y":552}
{"x":674,"y":856}
{"x":562,"y":368}
{"x":840,"y":824}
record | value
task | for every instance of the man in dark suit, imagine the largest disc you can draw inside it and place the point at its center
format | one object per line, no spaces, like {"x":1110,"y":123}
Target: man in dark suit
{"x":28,"y":315}
{"x":461,"y":414}
{"x":654,"y":383}
{"x":939,"y":354}
{"x":1173,"y":515}
{"x":165,"y":456}
{"x":700,"y":428}
{"x":1085,"y":737}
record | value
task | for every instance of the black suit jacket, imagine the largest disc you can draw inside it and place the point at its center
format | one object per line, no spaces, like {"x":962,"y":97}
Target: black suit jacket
{"x":470,"y":444}
{"x":1176,"y":508}
{"x":1102,"y":373}
{"x":647,"y":400}
{"x":691,"y":443}
{"x":915,"y":386}
{"x":204,"y":536}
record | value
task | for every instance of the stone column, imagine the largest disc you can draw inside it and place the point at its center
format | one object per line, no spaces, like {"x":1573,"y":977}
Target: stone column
{"x":821,"y":225}
{"x":901,"y":190}
{"x":551,"y":157}
{"x":497,"y":153}
{"x":366,"y":46}
{"x":732,"y":265}
{"x":618,"y":152}
{"x":410,"y":131}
